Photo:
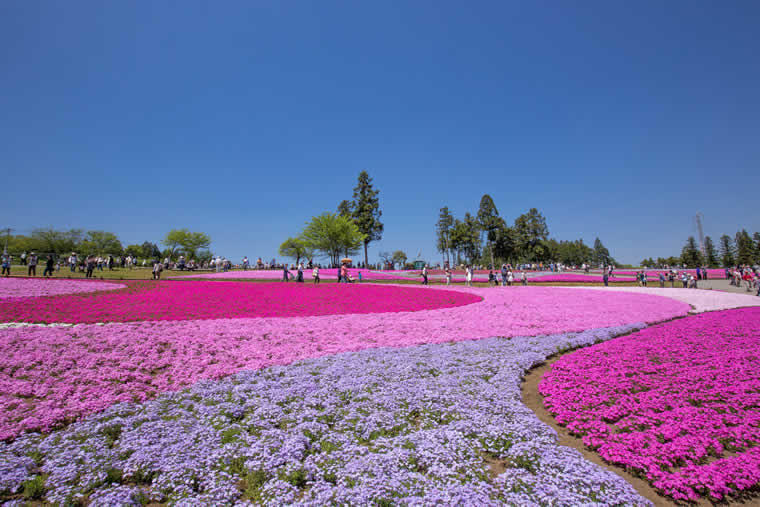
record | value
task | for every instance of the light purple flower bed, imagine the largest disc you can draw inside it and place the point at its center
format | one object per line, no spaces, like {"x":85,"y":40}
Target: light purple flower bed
{"x":413,"y":426}
{"x":15,"y":288}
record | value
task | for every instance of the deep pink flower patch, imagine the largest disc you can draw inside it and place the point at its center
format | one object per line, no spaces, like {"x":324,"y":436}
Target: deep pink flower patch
{"x":678,"y":403}
{"x":174,"y":300}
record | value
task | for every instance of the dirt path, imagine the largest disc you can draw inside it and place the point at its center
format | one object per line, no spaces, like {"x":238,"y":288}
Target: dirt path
{"x":535,"y":402}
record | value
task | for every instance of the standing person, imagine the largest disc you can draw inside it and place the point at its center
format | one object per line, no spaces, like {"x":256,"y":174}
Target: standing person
{"x":424,"y":275}
{"x":299,"y":278}
{"x":448,"y":276}
{"x":344,"y":273}
{"x":491,"y":278}
{"x":23,"y":258}
{"x":360,"y":277}
{"x":285,"y":273}
{"x":245,"y":263}
{"x":6,"y":264}
{"x":643,"y":279}
{"x":32,"y":265}
{"x":157,"y":268}
{"x":315,"y":274}
{"x":510,"y":278}
{"x":90,"y":265}
{"x":606,"y":278}
{"x":468,"y":276}
{"x":73,"y":261}
{"x":524,"y":278}
{"x":662,"y":280}
{"x":503,"y":275}
{"x":48,"y":267}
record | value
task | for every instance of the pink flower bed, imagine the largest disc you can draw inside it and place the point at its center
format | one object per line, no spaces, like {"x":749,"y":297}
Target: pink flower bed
{"x":51,"y":375}
{"x":573,"y":277}
{"x":324,"y":274}
{"x":676,"y":403}
{"x":168,"y":300}
{"x":700,"y":300}
{"x":14,"y":288}
{"x":711,"y":272}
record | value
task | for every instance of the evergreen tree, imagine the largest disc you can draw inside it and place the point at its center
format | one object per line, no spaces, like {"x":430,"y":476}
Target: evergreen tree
{"x":726,"y":251}
{"x":366,"y":211}
{"x":690,"y":255}
{"x":345,"y":208}
{"x":443,"y":232}
{"x":711,"y":256}
{"x":756,"y":237}
{"x":601,"y":254}
{"x":530,"y":230}
{"x":745,"y":248}
{"x":489,"y":221}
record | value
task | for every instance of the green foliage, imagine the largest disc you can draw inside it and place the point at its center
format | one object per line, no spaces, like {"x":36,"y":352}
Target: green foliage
{"x":690,"y":255}
{"x":182,"y":241}
{"x":443,"y":231}
{"x":711,"y":255}
{"x":252,"y":483}
{"x":332,"y":235}
{"x":150,"y":250}
{"x":530,"y":230}
{"x":366,"y":211}
{"x":756,"y":238}
{"x":399,"y":258}
{"x":101,"y":243}
{"x":295,"y":248}
{"x":55,"y":242}
{"x":726,"y":251}
{"x":134,"y":250}
{"x":489,"y":221}
{"x":745,"y":248}
{"x":34,"y":488}
{"x":601,"y":256}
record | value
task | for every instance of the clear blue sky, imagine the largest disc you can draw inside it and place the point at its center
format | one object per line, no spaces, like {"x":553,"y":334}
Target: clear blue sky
{"x":615,"y":119}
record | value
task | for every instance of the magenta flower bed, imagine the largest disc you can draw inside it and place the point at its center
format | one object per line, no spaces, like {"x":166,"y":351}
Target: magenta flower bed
{"x":51,"y":375}
{"x":324,"y":274}
{"x":14,"y":288}
{"x":168,"y":300}
{"x":573,"y":277}
{"x":677,"y":403}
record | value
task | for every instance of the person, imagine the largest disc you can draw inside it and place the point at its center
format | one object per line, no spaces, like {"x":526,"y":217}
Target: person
{"x":448,"y":276}
{"x":360,"y":277}
{"x":157,"y":268}
{"x":48,"y":267}
{"x":606,"y":278}
{"x":344,"y":274}
{"x":643,"y":279}
{"x":90,"y":264}
{"x":299,"y":278}
{"x":491,"y":278}
{"x":524,"y":278}
{"x":424,"y":275}
{"x":510,"y":278}
{"x":684,"y":280}
{"x":285,"y":273}
{"x":73,"y":261}
{"x":503,"y":275}
{"x":32,"y":265}
{"x":468,"y":276}
{"x":23,"y":258}
{"x":662,"y":280}
{"x":315,"y":275}
{"x":6,"y":264}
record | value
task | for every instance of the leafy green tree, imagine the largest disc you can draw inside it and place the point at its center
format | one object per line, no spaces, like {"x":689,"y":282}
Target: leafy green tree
{"x":443,"y":232}
{"x":469,"y":237}
{"x":711,"y":255}
{"x":601,"y":254}
{"x":399,"y":258}
{"x":133,"y":250}
{"x":182,"y":240}
{"x":101,"y":242}
{"x":296,"y":248}
{"x":727,"y":251}
{"x":366,"y":211}
{"x":332,"y":235}
{"x":505,"y":243}
{"x":745,"y":248}
{"x":530,"y":230}
{"x":690,"y":255}
{"x":489,"y":221}
{"x":56,"y":242}
{"x":150,"y":250}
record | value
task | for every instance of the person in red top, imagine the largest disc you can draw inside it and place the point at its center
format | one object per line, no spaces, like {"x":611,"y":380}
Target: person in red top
{"x":344,"y":273}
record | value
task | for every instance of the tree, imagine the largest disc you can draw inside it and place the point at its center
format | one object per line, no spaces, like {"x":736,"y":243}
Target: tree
{"x":489,"y":221}
{"x":690,"y":255}
{"x":133,"y":251}
{"x":469,"y":238}
{"x":56,"y":242}
{"x":345,"y":209}
{"x":332,"y":235}
{"x":399,"y":258}
{"x":366,"y":211}
{"x":711,"y":256}
{"x":101,"y":242}
{"x":530,"y":230}
{"x":386,"y":257}
{"x":504,"y":245}
{"x":745,"y":248}
{"x":150,"y":250}
{"x":756,"y":237}
{"x":726,"y":251}
{"x":182,"y":240}
{"x":601,"y":254}
{"x":443,"y":232}
{"x":296,"y":248}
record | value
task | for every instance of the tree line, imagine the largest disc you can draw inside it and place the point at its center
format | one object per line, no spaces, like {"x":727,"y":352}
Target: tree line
{"x":487,"y":239}
{"x":61,"y":243}
{"x":342,"y":234}
{"x":742,"y":249}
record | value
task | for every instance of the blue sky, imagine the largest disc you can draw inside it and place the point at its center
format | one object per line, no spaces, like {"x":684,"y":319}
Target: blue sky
{"x":243,"y":119}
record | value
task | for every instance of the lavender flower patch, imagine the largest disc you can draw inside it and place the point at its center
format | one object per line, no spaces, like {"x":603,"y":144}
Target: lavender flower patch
{"x":432,"y":424}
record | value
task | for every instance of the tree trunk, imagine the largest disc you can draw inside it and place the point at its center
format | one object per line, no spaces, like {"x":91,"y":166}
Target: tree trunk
{"x":365,"y":254}
{"x":490,"y":248}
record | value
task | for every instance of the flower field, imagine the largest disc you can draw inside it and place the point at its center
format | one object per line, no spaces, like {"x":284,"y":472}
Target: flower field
{"x":677,"y":403}
{"x":224,"y":392}
{"x":15,"y":288}
{"x":324,"y":274}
